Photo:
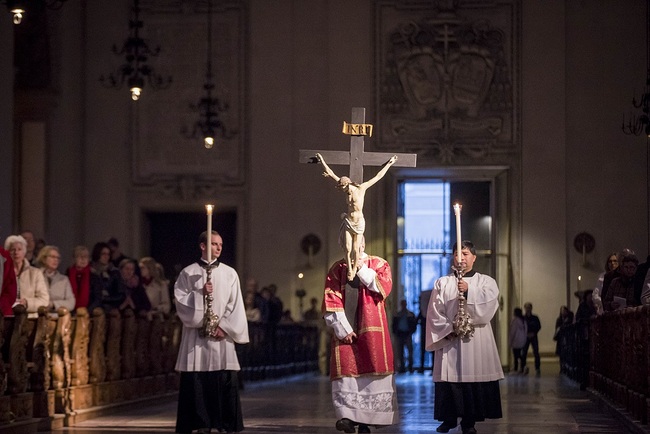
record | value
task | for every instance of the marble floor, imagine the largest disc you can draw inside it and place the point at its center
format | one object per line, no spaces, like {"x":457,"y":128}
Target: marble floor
{"x":531,"y":405}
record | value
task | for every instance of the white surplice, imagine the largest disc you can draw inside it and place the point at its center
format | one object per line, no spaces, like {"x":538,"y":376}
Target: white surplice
{"x":455,"y":360}
{"x":208,"y":354}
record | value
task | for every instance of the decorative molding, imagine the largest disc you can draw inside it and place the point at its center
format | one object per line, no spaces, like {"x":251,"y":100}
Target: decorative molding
{"x":160,"y":153}
{"x":187,"y":188}
{"x":447,"y":79}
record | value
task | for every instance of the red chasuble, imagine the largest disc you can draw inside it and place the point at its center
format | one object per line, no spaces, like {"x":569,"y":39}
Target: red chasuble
{"x":371,"y":353}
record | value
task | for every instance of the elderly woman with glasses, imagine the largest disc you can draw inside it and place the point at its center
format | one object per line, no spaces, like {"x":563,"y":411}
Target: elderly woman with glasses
{"x":59,"y":288}
{"x":31,"y":287}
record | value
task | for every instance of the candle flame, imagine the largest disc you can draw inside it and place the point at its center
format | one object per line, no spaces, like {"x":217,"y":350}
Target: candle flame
{"x":209,"y":208}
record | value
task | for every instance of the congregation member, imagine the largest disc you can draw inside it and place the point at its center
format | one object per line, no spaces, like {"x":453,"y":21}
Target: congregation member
{"x":585,"y":312}
{"x":614,"y":273}
{"x":466,"y":371}
{"x":274,"y":304}
{"x":361,"y":362}
{"x":102,"y":267}
{"x":86,"y":286}
{"x":517,"y":335}
{"x":645,"y":289}
{"x":621,"y":291}
{"x":563,"y":331}
{"x":610,"y":265}
{"x":313,"y":314}
{"x":155,"y":285}
{"x":404,"y":325}
{"x":31,"y":289}
{"x":640,"y":279}
{"x":534,"y":326}
{"x":7,"y":283}
{"x":253,"y":314}
{"x":260,"y":302}
{"x":208,"y":397}
{"x":30,"y":250}
{"x":116,"y":253}
{"x":127,"y":292}
{"x":58,"y":285}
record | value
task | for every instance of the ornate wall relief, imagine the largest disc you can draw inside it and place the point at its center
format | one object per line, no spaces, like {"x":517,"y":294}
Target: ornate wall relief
{"x":448,"y":78}
{"x":162,"y":154}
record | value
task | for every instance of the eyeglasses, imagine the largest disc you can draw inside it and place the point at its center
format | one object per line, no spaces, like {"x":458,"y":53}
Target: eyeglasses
{"x":54,"y":256}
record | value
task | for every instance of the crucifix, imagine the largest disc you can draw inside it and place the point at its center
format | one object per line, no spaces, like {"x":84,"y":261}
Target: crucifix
{"x":356,"y":157}
{"x":353,"y":224}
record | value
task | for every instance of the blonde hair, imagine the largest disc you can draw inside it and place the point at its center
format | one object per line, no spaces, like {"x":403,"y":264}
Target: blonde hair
{"x":156,"y":270}
{"x":78,"y":250}
{"x":44,"y":252}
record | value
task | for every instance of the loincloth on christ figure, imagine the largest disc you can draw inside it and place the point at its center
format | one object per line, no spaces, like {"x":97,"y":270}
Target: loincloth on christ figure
{"x":348,"y":225}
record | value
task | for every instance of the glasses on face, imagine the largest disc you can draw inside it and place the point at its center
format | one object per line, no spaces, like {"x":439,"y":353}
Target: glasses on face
{"x":54,"y":256}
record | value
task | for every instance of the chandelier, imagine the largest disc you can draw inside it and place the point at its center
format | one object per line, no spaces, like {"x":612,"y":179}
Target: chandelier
{"x":641,"y":123}
{"x":19,"y":8}
{"x":135,"y":72}
{"x":208,"y":106}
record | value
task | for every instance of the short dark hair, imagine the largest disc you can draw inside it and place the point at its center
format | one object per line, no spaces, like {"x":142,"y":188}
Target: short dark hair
{"x":466,"y":244}
{"x":203,"y":238}
{"x":630,"y":257}
{"x":97,"y":250}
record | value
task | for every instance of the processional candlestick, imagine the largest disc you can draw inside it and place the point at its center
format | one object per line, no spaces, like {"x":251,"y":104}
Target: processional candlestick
{"x":463,"y":327}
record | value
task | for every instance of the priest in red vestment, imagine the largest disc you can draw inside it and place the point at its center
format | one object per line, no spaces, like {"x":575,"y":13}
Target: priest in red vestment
{"x":361,"y":363}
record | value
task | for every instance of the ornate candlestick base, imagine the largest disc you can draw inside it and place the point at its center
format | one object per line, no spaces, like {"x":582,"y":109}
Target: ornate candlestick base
{"x":210,"y":320}
{"x":463,"y":327}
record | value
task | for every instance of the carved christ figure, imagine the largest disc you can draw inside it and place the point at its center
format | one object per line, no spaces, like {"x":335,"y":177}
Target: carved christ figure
{"x":353,"y":224}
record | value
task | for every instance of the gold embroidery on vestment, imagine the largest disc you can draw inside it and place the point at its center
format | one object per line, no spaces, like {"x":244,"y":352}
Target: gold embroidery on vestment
{"x":380,"y":307}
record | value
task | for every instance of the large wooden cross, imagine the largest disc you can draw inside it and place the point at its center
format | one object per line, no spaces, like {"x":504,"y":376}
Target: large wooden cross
{"x":356,"y":157}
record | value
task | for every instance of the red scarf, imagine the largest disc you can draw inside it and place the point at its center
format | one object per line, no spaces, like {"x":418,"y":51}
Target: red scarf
{"x":80,"y":282}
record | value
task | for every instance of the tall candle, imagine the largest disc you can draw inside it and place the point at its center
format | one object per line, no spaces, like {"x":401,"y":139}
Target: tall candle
{"x":579,"y":283}
{"x":208,"y":246}
{"x":459,"y":239}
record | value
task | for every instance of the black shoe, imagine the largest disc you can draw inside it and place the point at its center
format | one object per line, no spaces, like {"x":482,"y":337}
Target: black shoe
{"x":470,"y":430}
{"x":363,"y":428}
{"x":446,"y":426}
{"x":345,"y":425}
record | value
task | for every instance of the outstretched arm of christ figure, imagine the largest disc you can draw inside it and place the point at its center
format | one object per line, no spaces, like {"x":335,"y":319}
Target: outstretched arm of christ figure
{"x":380,"y":174}
{"x":329,"y":173}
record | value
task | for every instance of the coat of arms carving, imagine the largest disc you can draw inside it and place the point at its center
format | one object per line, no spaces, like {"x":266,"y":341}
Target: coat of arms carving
{"x":446,"y":78}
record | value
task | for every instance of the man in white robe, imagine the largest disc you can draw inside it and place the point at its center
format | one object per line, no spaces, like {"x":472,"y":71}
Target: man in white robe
{"x":209,"y":390}
{"x":465,"y":371}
